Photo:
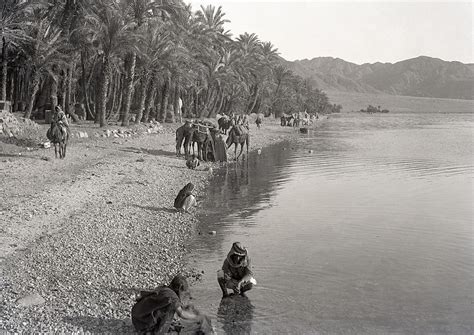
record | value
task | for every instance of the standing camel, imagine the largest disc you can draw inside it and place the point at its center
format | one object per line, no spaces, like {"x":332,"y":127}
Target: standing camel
{"x":184,"y":134}
{"x":238,"y":136}
{"x":203,"y":135}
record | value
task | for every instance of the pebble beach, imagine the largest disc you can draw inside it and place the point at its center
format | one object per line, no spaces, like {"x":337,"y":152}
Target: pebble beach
{"x":81,"y":236}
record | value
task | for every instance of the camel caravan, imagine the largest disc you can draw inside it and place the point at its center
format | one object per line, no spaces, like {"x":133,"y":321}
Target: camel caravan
{"x":206,"y":139}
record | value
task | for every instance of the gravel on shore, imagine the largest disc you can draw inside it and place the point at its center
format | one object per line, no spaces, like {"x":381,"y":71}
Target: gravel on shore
{"x":81,"y":236}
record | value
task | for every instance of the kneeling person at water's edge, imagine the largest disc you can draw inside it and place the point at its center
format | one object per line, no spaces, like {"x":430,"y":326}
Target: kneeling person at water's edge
{"x":162,"y":311}
{"x":236,"y":273}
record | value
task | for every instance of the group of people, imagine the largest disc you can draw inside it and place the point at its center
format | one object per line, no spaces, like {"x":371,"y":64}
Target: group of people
{"x":165,"y":309}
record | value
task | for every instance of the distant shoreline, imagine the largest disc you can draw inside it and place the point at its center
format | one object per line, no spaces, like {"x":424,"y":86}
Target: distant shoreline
{"x":352,"y":101}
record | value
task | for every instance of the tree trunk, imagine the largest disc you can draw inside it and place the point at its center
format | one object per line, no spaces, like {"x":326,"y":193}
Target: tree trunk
{"x":120,"y":96}
{"x":68,"y":102}
{"x":63,"y":93}
{"x":12,"y":86}
{"x":31,"y":101}
{"x":164,"y":100}
{"x":113,"y":87}
{"x":221,"y":104}
{"x":252,"y":106}
{"x":54,"y":90}
{"x":150,"y":98}
{"x":212,"y":104}
{"x":85,"y":83}
{"x":3,"y":81}
{"x":195,"y":102}
{"x":176,"y":95}
{"x":143,"y":88}
{"x":102,"y":98}
{"x":128,"y":88}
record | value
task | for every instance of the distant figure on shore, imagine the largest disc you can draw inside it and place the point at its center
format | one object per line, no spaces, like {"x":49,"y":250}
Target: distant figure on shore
{"x":236,"y":273}
{"x":185,"y":198}
{"x":193,"y":162}
{"x":155,"y":311}
{"x":259,"y":121}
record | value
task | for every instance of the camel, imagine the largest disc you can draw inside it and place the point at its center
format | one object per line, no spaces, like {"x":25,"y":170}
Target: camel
{"x":238,"y":138}
{"x":203,"y":135}
{"x":59,"y":136}
{"x":184,"y":134}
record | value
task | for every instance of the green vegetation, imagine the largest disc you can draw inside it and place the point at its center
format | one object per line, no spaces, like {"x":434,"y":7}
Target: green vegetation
{"x":134,"y":60}
{"x":371,"y":109}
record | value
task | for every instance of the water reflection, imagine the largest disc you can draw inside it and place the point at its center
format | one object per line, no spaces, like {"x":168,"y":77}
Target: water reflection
{"x":242,"y":190}
{"x":236,"y":315}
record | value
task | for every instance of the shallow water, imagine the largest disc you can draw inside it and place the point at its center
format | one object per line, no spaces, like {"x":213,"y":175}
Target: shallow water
{"x":370,"y":233}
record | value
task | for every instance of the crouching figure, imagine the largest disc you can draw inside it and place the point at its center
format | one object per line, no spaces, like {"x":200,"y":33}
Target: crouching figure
{"x":185,"y":199}
{"x":193,"y":162}
{"x":236,"y":273}
{"x":162,"y":311}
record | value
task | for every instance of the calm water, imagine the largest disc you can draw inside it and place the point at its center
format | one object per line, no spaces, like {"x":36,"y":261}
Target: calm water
{"x":371,"y":233}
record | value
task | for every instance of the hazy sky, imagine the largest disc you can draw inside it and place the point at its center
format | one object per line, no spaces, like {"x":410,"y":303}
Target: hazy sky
{"x":356,"y":31}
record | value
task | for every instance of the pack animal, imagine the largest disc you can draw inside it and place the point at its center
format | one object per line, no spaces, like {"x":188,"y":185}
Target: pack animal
{"x":184,"y":137}
{"x":224,"y":124}
{"x":59,"y":136}
{"x":238,"y":136}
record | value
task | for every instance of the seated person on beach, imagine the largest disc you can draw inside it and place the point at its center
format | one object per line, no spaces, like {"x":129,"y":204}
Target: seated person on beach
{"x":192,"y":162}
{"x":157,"y":312}
{"x":236,"y":273}
{"x":185,"y":198}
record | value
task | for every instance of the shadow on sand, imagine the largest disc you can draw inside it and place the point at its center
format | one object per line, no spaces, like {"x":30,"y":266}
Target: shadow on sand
{"x":152,"y":152}
{"x":98,"y":325}
{"x":158,"y":209}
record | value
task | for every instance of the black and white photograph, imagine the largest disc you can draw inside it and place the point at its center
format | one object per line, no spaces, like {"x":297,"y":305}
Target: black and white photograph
{"x":237,"y":167}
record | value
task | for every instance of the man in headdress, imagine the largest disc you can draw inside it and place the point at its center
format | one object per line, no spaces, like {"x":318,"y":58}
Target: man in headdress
{"x":236,"y":273}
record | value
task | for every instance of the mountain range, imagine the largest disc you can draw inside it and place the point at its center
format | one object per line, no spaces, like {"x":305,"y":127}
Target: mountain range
{"x":420,"y":77}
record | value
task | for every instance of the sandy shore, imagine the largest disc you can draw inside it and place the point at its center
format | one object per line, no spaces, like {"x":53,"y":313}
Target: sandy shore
{"x":80,"y":236}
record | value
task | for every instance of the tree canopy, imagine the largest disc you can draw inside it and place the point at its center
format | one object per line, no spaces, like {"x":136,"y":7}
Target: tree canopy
{"x":134,"y":60}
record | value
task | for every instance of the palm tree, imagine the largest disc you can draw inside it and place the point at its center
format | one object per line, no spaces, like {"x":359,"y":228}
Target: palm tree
{"x":155,"y":46}
{"x":107,"y":28}
{"x":11,"y":34}
{"x":139,"y":11}
{"x":43,"y":50}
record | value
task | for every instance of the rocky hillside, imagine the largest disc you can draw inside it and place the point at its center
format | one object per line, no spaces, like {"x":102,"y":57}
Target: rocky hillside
{"x":422,"y":76}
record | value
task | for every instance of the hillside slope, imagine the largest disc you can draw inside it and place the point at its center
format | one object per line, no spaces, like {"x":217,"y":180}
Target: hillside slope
{"x":422,"y":76}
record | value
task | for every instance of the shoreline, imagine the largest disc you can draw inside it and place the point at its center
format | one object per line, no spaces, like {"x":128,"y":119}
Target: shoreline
{"x":88,"y":240}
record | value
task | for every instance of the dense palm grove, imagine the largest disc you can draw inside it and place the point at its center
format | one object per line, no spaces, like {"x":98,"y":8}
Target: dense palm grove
{"x":134,"y":59}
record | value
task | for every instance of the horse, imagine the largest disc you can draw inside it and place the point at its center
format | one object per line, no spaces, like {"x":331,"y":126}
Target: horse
{"x":59,"y":136}
{"x":236,"y":138}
